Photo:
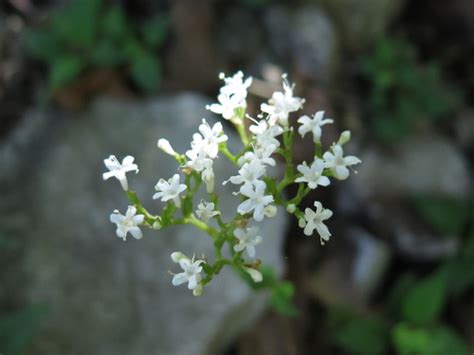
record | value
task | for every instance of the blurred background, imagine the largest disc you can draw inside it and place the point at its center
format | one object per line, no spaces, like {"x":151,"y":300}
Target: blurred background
{"x":397,"y":276}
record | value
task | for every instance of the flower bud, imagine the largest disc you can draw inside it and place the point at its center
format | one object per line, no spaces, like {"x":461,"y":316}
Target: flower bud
{"x":254,"y":274}
{"x":291,"y":208}
{"x":156,"y":225}
{"x":344,"y":137}
{"x":165,"y":146}
{"x":198,"y":290}
{"x":177,"y":256}
{"x":270,"y":211}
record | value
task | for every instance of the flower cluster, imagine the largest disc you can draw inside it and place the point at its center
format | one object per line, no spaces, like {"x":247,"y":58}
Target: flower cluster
{"x":268,"y":137}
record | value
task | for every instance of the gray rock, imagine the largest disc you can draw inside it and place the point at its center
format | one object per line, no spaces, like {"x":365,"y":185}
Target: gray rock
{"x":314,"y":42}
{"x":421,"y":165}
{"x":350,"y":275}
{"x":305,"y":37}
{"x":360,"y":22}
{"x":106,"y":296}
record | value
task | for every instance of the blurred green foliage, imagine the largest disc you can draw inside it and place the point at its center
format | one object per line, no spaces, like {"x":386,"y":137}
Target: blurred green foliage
{"x":18,"y":329}
{"x":89,"y":34}
{"x":410,"y":320}
{"x":404,"y":93}
{"x":281,"y":291}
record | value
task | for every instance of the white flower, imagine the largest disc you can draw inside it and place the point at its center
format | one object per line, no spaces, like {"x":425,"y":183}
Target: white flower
{"x":248,"y":239}
{"x":249,"y":174}
{"x":191,"y":271}
{"x":254,"y":274}
{"x":118,"y":170}
{"x":314,"y":220}
{"x":256,"y":200}
{"x":313,"y":125}
{"x":338,"y":164}
{"x":265,"y":134}
{"x":281,"y":105}
{"x":227,"y":105}
{"x":260,"y":155}
{"x":165,"y":146}
{"x":206,"y":211}
{"x":210,"y":140}
{"x":313,"y":175}
{"x":127,"y":223}
{"x":169,"y":190}
{"x":235,"y":85}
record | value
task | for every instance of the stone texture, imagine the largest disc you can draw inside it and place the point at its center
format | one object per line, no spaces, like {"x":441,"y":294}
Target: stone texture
{"x":106,"y":296}
{"x":421,"y":165}
{"x":304,"y":37}
{"x":360,"y":22}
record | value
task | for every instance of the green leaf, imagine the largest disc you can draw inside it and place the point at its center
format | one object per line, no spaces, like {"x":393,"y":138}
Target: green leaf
{"x":281,"y":298}
{"x":114,"y":24}
{"x":146,"y":71}
{"x":425,"y":300}
{"x":18,"y":329}
{"x":78,"y":23}
{"x":108,"y":54}
{"x":63,"y":70}
{"x":40,"y":45}
{"x":440,"y":340}
{"x":448,"y":216}
{"x":359,"y":334}
{"x":154,"y":30}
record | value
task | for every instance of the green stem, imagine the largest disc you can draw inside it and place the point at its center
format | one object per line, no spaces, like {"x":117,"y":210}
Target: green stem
{"x":242,"y":133}
{"x":223,"y":149}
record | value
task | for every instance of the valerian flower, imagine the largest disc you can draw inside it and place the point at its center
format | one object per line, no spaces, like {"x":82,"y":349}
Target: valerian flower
{"x":314,"y":220}
{"x":257,"y":200}
{"x":169,"y":190}
{"x":281,"y":105}
{"x":227,"y":106}
{"x":128,"y":223}
{"x":265,"y":135}
{"x":191,"y":271}
{"x":260,"y":155}
{"x":249,"y":174}
{"x":248,"y":239}
{"x":337,"y":163}
{"x":313,"y":175}
{"x":118,"y":170}
{"x":313,"y":125}
{"x":206,"y":211}
{"x":235,"y":85}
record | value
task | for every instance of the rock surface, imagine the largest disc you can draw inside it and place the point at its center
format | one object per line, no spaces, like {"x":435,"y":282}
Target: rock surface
{"x":106,"y":296}
{"x":422,"y":165}
{"x":360,"y":22}
{"x":305,"y":37}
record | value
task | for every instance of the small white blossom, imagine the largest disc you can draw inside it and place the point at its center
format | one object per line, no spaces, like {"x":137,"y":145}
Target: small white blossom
{"x":313,"y":125}
{"x":206,"y":211}
{"x":270,"y":211}
{"x":313,"y":175}
{"x":169,"y":190}
{"x":314,"y":220}
{"x":211,"y":138}
{"x":281,"y":105}
{"x":338,"y":164}
{"x":226,"y":106}
{"x":118,"y":170}
{"x":165,"y":146}
{"x":235,"y":85}
{"x":259,"y":155}
{"x":254,"y":274}
{"x":191,"y":271}
{"x":128,"y":223}
{"x":266,"y":135}
{"x":249,"y":174}
{"x":257,"y":200}
{"x":248,"y":239}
